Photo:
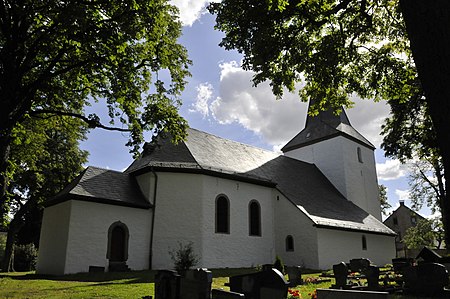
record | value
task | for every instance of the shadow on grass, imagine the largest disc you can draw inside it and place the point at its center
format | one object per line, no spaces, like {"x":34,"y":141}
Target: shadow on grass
{"x":124,"y":277}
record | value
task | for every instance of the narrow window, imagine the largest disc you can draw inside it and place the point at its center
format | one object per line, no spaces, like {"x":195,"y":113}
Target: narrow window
{"x":254,"y":213}
{"x":289,"y":243}
{"x":395,"y":221}
{"x":413,"y":220}
{"x":358,"y":151}
{"x":222,"y":215}
{"x":364,"y":243}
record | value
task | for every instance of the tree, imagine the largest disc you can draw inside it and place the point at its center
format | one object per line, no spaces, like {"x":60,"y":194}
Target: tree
{"x":45,"y":155}
{"x":385,"y":206}
{"x":57,"y":56}
{"x":340,"y":48}
{"x":423,"y":234}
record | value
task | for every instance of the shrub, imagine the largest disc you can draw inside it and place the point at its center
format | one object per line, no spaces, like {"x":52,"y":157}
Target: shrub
{"x":184,"y":257}
{"x":279,"y":264}
{"x":25,"y":257}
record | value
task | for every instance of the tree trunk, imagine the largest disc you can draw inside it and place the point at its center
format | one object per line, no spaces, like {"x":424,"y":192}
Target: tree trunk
{"x":4,"y":157}
{"x":7,"y":264}
{"x":428,"y":28}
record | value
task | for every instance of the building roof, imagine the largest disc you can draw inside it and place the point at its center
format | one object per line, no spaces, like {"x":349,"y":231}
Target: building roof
{"x":324,"y":126}
{"x":104,"y":186}
{"x":302,"y":183}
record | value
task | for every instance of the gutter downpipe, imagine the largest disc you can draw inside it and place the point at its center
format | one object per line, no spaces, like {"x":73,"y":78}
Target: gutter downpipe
{"x":150,"y":261}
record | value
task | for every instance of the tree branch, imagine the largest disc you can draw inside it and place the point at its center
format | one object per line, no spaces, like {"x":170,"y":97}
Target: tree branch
{"x":93,"y":122}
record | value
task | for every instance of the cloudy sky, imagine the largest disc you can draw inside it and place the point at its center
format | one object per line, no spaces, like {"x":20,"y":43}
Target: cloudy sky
{"x":221,"y":100}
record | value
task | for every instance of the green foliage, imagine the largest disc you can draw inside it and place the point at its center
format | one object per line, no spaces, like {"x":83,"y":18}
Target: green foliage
{"x":184,"y":258}
{"x":25,"y":257}
{"x":382,"y":194}
{"x":69,"y":53}
{"x":420,"y":235}
{"x":336,"y":48}
{"x":278,"y":264}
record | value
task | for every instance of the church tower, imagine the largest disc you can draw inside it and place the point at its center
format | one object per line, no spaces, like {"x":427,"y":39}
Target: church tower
{"x":343,"y":155}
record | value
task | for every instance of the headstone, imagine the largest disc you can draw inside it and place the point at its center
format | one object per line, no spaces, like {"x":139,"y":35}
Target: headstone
{"x":221,"y":294}
{"x":196,"y":284}
{"x":167,"y":285}
{"x":340,"y":275}
{"x":401,"y":263}
{"x":359,"y":265}
{"x":294,"y":275}
{"x":372,"y":274}
{"x":426,"y":279}
{"x":350,"y":294}
{"x":268,"y":284}
{"x":429,"y":256}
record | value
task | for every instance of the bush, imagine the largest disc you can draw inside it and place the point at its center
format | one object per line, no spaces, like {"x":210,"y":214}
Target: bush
{"x":25,"y":257}
{"x":184,"y":257}
{"x":279,"y":264}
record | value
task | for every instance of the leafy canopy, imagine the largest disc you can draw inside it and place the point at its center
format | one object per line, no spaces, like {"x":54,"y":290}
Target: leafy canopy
{"x":337,"y":48}
{"x":56,"y":56}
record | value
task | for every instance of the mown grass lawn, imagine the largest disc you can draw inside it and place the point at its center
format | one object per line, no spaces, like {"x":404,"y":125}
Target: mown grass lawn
{"x":136,"y":284}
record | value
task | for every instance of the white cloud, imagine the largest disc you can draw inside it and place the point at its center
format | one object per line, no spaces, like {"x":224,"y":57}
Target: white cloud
{"x":256,"y":109}
{"x":190,"y":10}
{"x":391,"y":170}
{"x":204,"y":94}
{"x":403,"y":195}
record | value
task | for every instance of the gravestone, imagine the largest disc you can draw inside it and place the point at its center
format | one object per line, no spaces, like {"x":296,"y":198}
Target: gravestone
{"x":222,"y":294}
{"x":340,"y":275}
{"x":401,"y":263}
{"x":425,"y":279}
{"x":267,"y":284}
{"x":359,"y":265}
{"x":294,"y":275}
{"x":167,"y":285}
{"x":372,"y":274}
{"x":196,"y":284}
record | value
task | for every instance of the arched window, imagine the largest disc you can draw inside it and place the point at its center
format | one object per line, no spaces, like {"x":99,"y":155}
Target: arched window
{"x":254,"y":215}
{"x":289,"y":243}
{"x":358,"y":151}
{"x":222,"y":215}
{"x":118,"y":236}
{"x":364,"y":243}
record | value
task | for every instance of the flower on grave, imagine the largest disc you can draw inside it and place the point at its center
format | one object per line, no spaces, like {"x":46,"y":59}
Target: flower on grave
{"x":313,"y":294}
{"x":294,"y":294}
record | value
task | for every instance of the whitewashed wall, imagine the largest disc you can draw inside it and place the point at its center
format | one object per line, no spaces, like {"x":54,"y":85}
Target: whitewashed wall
{"x":84,"y":225}
{"x":290,"y":220}
{"x":53,"y":239}
{"x":338,"y":160}
{"x":335,"y":246}
{"x":185,"y":211}
{"x":238,"y":248}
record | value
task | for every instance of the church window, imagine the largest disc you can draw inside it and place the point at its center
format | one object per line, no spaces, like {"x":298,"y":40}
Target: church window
{"x":395,"y":221}
{"x":289,"y":243}
{"x":413,"y":220}
{"x":364,"y":243}
{"x":358,"y":151}
{"x":254,"y":214}
{"x":222,"y":215}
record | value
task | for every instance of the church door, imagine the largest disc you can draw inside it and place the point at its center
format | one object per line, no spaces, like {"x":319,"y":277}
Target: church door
{"x":117,"y":244}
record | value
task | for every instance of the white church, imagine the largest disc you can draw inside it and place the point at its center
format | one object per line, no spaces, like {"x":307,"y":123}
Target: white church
{"x":314,"y":206}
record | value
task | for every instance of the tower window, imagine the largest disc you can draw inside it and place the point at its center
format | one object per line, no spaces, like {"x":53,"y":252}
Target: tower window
{"x":364,"y":243}
{"x":395,"y":220}
{"x":358,"y":151}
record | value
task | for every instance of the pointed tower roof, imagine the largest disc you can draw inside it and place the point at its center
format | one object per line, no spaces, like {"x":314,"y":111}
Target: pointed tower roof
{"x":324,"y":126}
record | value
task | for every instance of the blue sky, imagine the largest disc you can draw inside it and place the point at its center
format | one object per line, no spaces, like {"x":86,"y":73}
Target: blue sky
{"x":221,"y":100}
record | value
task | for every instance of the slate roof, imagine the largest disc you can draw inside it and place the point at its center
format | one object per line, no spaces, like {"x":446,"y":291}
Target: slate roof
{"x":324,"y":126}
{"x":103,"y":186}
{"x":302,"y":183}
